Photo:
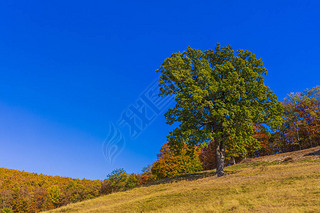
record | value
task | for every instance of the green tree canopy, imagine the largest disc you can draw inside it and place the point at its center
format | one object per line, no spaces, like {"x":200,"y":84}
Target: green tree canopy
{"x":219,"y":96}
{"x":118,"y":179}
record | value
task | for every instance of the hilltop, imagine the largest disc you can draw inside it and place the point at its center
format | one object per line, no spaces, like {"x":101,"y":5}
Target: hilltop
{"x":288,"y":182}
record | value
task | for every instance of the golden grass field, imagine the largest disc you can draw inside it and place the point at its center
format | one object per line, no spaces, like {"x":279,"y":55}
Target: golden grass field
{"x":279,"y":183}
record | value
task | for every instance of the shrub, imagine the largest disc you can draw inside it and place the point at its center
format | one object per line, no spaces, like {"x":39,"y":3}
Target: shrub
{"x":147,"y":176}
{"x":133,"y":181}
{"x":106,"y":187}
{"x":170,"y":165}
{"x":118,"y":179}
{"x":6,"y":210}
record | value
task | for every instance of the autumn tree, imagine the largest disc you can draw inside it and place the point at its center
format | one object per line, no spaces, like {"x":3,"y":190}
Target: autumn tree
{"x":219,"y":96}
{"x":169,"y":164}
{"x":302,"y":119}
{"x":262,"y":135}
{"x":208,"y":157}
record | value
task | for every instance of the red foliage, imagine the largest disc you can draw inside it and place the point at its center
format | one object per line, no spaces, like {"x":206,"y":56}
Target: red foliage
{"x":208,"y":157}
{"x":263,"y":137}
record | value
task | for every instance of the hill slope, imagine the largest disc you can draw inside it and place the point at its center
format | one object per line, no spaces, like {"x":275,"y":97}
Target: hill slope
{"x":30,"y":192}
{"x":288,"y":182}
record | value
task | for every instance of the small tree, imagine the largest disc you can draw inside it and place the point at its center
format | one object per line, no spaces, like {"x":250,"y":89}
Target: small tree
{"x":302,"y":119}
{"x":133,"y":181}
{"x":147,"y":176}
{"x":219,"y":97}
{"x":118,"y":179}
{"x":170,"y":165}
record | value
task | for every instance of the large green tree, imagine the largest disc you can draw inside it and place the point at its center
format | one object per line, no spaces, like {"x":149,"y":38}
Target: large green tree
{"x":219,"y":97}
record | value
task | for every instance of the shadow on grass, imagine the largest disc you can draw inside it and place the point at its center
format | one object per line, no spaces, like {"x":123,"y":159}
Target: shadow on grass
{"x":188,"y":177}
{"x":231,"y":169}
{"x":313,"y":153}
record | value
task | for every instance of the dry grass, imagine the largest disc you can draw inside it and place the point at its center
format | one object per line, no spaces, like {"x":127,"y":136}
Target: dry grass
{"x":312,"y":153}
{"x":257,"y":186}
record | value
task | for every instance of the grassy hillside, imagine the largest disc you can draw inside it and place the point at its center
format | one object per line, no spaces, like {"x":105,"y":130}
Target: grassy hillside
{"x":288,"y":182}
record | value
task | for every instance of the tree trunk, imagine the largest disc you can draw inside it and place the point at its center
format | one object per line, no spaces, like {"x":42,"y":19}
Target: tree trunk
{"x":298,"y":137}
{"x":234,"y":160}
{"x":220,"y":156}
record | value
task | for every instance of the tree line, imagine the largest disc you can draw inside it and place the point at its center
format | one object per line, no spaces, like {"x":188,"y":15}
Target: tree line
{"x":30,"y":192}
{"x":300,"y":129}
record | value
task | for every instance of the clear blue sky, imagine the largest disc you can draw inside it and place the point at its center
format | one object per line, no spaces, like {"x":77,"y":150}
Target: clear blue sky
{"x":70,"y":68}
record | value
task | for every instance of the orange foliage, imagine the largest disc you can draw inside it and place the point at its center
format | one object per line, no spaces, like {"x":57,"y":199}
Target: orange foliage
{"x":263,"y":137}
{"x":29,"y":192}
{"x":170,"y":165}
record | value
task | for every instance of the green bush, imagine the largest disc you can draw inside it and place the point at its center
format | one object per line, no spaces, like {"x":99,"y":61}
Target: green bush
{"x":6,"y":210}
{"x":133,"y":181}
{"x":118,"y":179}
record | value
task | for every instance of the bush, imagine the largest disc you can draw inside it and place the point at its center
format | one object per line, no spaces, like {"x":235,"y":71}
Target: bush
{"x":170,"y":165}
{"x":176,"y":165}
{"x":118,"y":180}
{"x":133,"y":181}
{"x":106,"y":187}
{"x":147,"y":176}
{"x":6,"y":210}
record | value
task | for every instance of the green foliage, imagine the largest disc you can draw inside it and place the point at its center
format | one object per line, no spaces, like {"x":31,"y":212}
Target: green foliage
{"x":55,"y":195}
{"x":219,"y":96}
{"x":170,"y":165}
{"x":6,"y":210}
{"x":301,"y":128}
{"x":133,"y":181}
{"x":146,"y":169}
{"x":118,"y":179}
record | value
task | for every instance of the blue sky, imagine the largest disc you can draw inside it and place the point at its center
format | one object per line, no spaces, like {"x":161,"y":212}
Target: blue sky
{"x":68,"y":69}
